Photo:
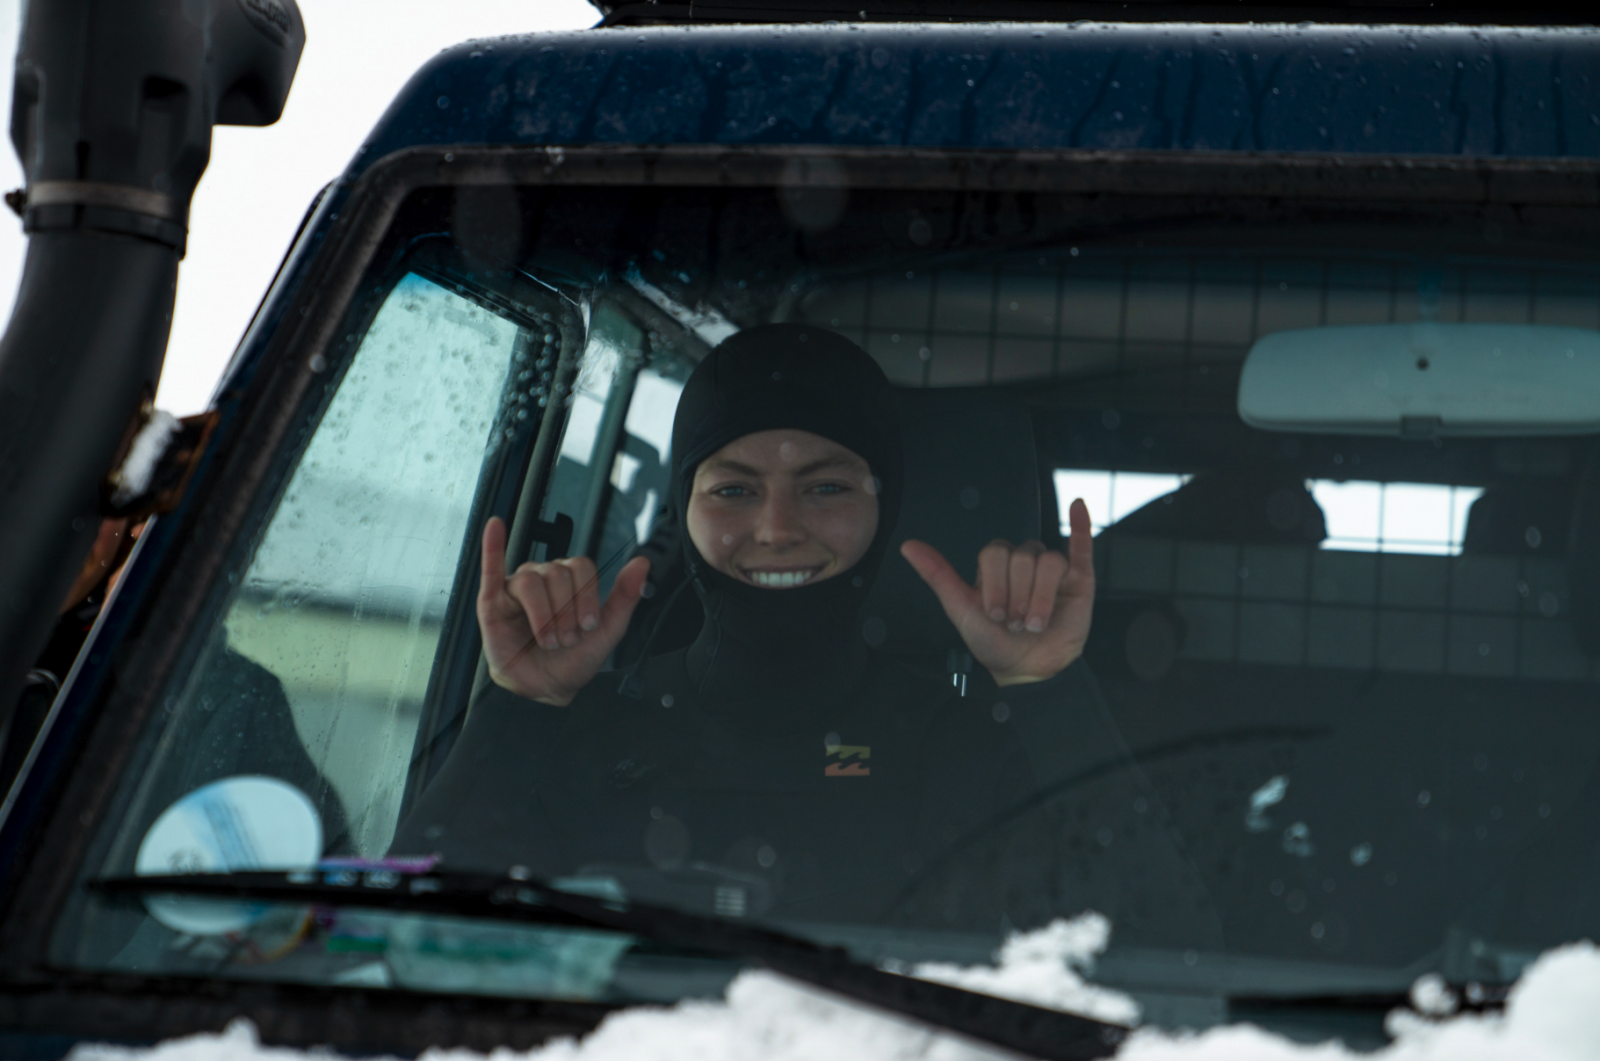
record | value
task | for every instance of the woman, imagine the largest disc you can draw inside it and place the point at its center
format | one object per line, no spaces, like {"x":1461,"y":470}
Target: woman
{"x":777,"y":749}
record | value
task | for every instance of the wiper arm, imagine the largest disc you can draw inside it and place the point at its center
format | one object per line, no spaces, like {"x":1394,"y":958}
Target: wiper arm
{"x":1044,"y":1033}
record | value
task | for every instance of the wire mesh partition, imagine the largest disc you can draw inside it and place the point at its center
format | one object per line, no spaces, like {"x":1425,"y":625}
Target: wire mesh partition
{"x":1077,"y":313}
{"x":1166,"y":332}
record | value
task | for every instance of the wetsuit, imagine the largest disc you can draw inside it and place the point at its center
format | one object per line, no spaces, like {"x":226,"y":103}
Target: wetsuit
{"x":818,"y":789}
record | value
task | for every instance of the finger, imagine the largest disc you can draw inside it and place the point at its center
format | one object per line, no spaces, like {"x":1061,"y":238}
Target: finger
{"x":1049,"y":571}
{"x":1024,"y":559}
{"x":1080,"y":547}
{"x":957,"y":598}
{"x":994,"y":577}
{"x":527,"y":587}
{"x":492,"y":581}
{"x":587,"y":606}
{"x":626,"y":592}
{"x":563,"y":589}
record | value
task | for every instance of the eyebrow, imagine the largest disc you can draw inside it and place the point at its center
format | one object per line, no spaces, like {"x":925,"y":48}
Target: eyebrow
{"x":821,"y":464}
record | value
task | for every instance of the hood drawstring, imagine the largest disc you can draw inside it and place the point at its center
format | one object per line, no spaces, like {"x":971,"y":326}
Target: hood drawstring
{"x":631,"y":686}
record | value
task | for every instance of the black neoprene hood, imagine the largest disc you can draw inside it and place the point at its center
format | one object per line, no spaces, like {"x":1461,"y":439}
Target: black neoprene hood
{"x":799,"y":377}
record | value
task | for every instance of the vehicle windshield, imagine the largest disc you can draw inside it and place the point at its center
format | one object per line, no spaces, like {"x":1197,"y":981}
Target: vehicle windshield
{"x":591,"y":566}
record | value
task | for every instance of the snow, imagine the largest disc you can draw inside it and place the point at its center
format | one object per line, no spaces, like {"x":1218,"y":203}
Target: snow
{"x":133,"y":478}
{"x":1043,"y":967}
{"x":1551,"y":1015}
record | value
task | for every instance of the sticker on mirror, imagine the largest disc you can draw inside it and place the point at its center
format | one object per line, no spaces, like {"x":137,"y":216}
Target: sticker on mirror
{"x":237,"y":823}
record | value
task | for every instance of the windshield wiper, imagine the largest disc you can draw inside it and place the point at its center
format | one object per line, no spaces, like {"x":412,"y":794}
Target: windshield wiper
{"x":1471,"y":997}
{"x":1033,"y":1030}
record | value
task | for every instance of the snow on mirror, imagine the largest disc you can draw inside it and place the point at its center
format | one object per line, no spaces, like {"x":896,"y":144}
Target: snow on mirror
{"x":1425,"y":379}
{"x":238,"y":823}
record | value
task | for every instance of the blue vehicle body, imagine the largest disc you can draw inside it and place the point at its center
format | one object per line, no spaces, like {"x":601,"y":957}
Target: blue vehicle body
{"x":1363,"y":91}
{"x":1390,"y":96}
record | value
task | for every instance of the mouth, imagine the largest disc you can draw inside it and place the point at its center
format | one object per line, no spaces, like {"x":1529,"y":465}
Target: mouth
{"x":780,"y":579}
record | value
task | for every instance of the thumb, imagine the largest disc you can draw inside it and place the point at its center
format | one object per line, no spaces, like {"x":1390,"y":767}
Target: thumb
{"x":954,"y":594}
{"x":626,"y":593}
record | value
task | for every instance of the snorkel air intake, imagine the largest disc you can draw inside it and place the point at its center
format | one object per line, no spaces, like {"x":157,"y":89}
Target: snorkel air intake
{"x":112,"y":113}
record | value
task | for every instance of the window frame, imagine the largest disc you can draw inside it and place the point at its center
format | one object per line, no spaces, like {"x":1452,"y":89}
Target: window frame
{"x":303,"y":340}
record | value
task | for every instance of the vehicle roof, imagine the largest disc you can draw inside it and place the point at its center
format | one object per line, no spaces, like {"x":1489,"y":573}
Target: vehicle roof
{"x":1363,"y":12}
{"x":1454,"y":91}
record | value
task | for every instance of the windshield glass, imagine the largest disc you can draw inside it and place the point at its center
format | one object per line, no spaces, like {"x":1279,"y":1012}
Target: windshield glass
{"x":718,"y":548}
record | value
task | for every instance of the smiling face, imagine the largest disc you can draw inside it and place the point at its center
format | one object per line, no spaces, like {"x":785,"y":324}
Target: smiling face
{"x":779,"y":509}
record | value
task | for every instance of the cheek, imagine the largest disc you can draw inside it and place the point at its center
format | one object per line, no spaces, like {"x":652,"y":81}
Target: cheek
{"x":851,"y":527}
{"x":707,"y":529}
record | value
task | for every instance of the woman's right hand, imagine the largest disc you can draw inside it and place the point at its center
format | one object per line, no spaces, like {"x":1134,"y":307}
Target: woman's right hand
{"x":545,"y":633}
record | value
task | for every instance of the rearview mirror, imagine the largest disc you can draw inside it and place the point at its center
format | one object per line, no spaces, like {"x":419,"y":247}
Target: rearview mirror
{"x":1425,"y":379}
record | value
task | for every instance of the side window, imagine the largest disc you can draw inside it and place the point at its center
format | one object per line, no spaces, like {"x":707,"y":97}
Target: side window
{"x":613,"y":470}
{"x":325,"y":654}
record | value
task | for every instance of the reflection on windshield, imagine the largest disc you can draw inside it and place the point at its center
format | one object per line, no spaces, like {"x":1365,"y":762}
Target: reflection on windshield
{"x":744,"y":576}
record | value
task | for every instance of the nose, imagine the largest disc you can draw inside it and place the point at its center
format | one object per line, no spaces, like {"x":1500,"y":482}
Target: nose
{"x":778,"y":524}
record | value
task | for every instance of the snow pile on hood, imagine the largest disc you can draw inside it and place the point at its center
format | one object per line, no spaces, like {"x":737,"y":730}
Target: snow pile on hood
{"x":1552,"y":1015}
{"x":1043,"y":967}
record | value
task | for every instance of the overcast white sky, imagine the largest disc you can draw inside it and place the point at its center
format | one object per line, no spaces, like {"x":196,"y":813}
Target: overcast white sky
{"x":358,"y":54}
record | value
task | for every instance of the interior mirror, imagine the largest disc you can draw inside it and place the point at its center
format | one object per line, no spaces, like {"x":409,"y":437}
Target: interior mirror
{"x":1425,"y":379}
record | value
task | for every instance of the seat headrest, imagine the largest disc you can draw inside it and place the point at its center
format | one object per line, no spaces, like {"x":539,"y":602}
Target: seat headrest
{"x":1254,"y":506}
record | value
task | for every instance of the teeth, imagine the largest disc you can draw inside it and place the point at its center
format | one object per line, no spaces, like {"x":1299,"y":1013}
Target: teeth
{"x":780,"y":579}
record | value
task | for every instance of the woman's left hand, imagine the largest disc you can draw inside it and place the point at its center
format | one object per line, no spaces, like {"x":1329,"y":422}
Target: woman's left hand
{"x":1027,"y":617}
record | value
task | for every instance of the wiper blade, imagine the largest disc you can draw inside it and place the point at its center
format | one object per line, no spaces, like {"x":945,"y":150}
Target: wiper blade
{"x":1045,"y":1033}
{"x":1471,"y":997}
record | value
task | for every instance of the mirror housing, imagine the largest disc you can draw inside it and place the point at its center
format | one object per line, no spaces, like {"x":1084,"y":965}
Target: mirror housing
{"x":1425,"y":379}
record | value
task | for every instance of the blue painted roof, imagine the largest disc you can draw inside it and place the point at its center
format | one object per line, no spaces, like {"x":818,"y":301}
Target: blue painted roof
{"x":1395,"y":90}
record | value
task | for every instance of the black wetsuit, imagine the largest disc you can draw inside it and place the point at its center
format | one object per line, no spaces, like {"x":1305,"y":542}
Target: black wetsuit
{"x":824,"y":786}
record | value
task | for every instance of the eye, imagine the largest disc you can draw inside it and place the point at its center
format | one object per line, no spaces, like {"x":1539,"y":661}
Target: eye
{"x":830,"y":488}
{"x":731,"y":490}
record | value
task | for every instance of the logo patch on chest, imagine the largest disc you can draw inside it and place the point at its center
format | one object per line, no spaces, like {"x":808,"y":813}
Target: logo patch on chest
{"x":839,"y":764}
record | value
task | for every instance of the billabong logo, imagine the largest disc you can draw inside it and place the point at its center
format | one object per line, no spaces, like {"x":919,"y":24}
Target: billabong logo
{"x":841,"y":752}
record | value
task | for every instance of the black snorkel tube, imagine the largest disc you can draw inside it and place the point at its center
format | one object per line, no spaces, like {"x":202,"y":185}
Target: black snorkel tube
{"x":112,"y":113}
